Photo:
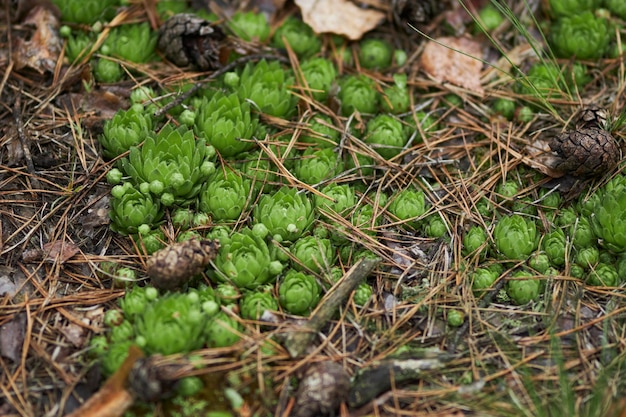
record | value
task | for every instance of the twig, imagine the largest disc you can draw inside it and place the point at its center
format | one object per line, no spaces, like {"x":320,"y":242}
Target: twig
{"x":17,"y":115}
{"x":239,"y":61}
{"x":298,"y":341}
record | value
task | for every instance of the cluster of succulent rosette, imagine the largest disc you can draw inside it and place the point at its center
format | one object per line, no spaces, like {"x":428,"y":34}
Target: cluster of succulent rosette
{"x":210,"y":172}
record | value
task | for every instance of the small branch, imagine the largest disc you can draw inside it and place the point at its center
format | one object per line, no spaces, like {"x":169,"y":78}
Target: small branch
{"x":17,"y":116}
{"x":298,"y":341}
{"x":239,"y":61}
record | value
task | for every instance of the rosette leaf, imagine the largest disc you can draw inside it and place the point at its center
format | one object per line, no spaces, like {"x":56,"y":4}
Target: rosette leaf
{"x":171,"y":162}
{"x":107,"y":71}
{"x":582,"y":234}
{"x":587,"y":257}
{"x":267,"y":84}
{"x":483,"y":279}
{"x":386,"y":135}
{"x":78,"y":46}
{"x":130,"y":209}
{"x":409,"y":205}
{"x":227,"y":124}
{"x":319,"y":132}
{"x":134,"y":42}
{"x":244,"y":260}
{"x":250,"y":26}
{"x":582,"y":35}
{"x":523,"y":288}
{"x":137,"y":300}
{"x":515,"y":237}
{"x":173,"y":323}
{"x":286,"y":213}
{"x":299,"y":36}
{"x":127,"y":128}
{"x":540,"y":262}
{"x":312,"y":254}
{"x":253,"y":304}
{"x":319,"y":73}
{"x":358,"y":93}
{"x":298,"y":292}
{"x":225,"y":195}
{"x":341,"y":198}
{"x":317,"y":165}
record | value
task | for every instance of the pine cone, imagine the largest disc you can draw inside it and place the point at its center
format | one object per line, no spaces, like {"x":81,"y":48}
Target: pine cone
{"x":592,"y":116}
{"x":408,"y":14}
{"x":586,"y":152}
{"x":174,"y":266}
{"x":186,"y":39}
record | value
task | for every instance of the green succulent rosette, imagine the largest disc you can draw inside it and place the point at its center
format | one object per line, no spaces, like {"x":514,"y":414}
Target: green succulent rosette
{"x":243,"y":260}
{"x":320,"y":74}
{"x":587,"y":257}
{"x":131,"y":209}
{"x":582,"y":233}
{"x":258,"y":170}
{"x":317,"y":165}
{"x":386,"y":135}
{"x":86,"y":11}
{"x":171,"y":163}
{"x":319,"y":133}
{"x":312,"y":254}
{"x":543,"y":80}
{"x":409,"y":205}
{"x":249,"y":26}
{"x":490,"y":18}
{"x":135,"y":42}
{"x":515,"y":237}
{"x":299,"y":36}
{"x":115,"y":356}
{"x":582,"y":35}
{"x":107,"y":71}
{"x":267,"y":85}
{"x":609,"y":218}
{"x":475,"y":242}
{"x":365,"y":219}
{"x":253,"y":304}
{"x":358,"y":93}
{"x":571,"y":7}
{"x":603,"y":275}
{"x":127,"y":128}
{"x":78,"y":46}
{"x":149,"y":240}
{"x":555,"y":246}
{"x":435,"y":226}
{"x":225,"y":196}
{"x":397,"y":98}
{"x":227,"y":124}
{"x":286,"y":213}
{"x":298,"y":293}
{"x":173,"y":323}
{"x":375,"y":54}
{"x":137,"y":300}
{"x":482,"y":279}
{"x":341,"y":199}
{"x":540,"y":262}
{"x":616,"y":7}
{"x":523,"y":287}
{"x":362,"y":294}
{"x":223,"y":330}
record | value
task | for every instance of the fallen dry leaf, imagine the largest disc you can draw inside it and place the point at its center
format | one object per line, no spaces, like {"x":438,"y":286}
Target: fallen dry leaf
{"x":330,"y":16}
{"x":452,"y":60}
{"x":12,"y":338}
{"x":41,"y":52}
{"x":57,"y":251}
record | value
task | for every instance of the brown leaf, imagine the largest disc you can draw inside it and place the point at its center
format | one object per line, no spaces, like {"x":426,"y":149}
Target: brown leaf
{"x":12,"y":338}
{"x":42,"y":51}
{"x":331,"y":16}
{"x":454,"y":60}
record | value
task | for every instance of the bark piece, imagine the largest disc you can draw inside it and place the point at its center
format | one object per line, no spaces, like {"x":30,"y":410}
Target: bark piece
{"x":324,"y":386}
{"x":174,"y":266}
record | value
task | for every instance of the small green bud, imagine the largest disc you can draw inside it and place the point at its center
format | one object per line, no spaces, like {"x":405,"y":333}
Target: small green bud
{"x":114,"y":176}
{"x":455,"y":318}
